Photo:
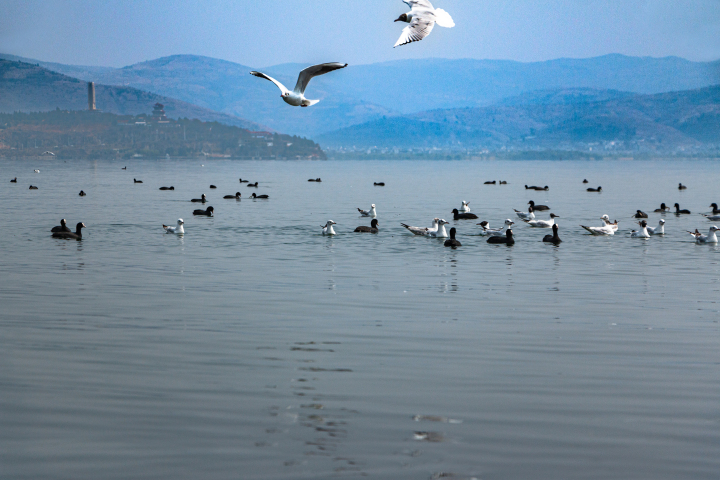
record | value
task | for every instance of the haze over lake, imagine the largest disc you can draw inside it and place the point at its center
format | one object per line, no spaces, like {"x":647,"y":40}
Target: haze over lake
{"x":253,"y":347}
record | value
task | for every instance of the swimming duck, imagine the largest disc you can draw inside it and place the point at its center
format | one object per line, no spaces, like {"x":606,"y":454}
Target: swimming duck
{"x":167,"y":188}
{"x":539,"y":189}
{"x":371,"y":229}
{"x":206,"y":213}
{"x":465,"y":207}
{"x":585,"y":181}
{"x":543,"y":223}
{"x":538,"y":208}
{"x":598,"y":189}
{"x":554,"y":238}
{"x":179,"y":230}
{"x":36,"y":170}
{"x":440,"y":232}
{"x":70,"y":235}
{"x":368,"y":213}
{"x":253,"y":184}
{"x":123,"y":168}
{"x":236,"y":196}
{"x":711,"y":237}
{"x":663,"y":208}
{"x":503,"y":182}
{"x":715,"y":208}
{"x":82,"y":193}
{"x":314,"y":180}
{"x":463,"y":216}
{"x":62,"y":227}
{"x":14,"y":180}
{"x":680,"y":212}
{"x":640,"y":214}
{"x":243,"y":181}
{"x":659,"y":230}
{"x":507,"y":239}
{"x":328,"y":229}
{"x":423,"y":230}
{"x":33,"y":187}
{"x":491,"y":183}
{"x":526,"y":216}
{"x":213,"y":186}
{"x":135,"y":180}
{"x":263,"y":197}
{"x":452,"y":242}
{"x":379,"y":184}
{"x":202,"y":199}
{"x":681,"y":187}
{"x":641,"y":233}
{"x":494,"y":232}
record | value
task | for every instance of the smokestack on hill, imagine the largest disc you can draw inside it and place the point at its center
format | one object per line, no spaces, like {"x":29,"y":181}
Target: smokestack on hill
{"x":91,"y":96}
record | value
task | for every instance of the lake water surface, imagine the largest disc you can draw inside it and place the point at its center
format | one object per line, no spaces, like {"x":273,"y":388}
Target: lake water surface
{"x":255,"y":348}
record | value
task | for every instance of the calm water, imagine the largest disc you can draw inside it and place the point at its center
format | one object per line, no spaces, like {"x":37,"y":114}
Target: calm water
{"x":255,"y":348}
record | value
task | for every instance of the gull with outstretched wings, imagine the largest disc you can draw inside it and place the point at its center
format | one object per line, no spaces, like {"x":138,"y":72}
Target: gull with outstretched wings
{"x":422,"y":17}
{"x":296,"y":98}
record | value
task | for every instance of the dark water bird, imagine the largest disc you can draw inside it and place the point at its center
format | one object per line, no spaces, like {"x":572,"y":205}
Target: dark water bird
{"x":542,"y":189}
{"x":135,"y":180}
{"x":82,"y":193}
{"x":715,"y":209}
{"x":379,"y":184}
{"x":507,"y":239}
{"x":243,"y":181}
{"x":70,"y":235}
{"x":32,"y":187}
{"x":264,"y":197}
{"x":585,"y":181}
{"x":640,"y":214}
{"x":314,"y":180}
{"x":463,"y":216}
{"x":236,"y":196}
{"x":123,"y":168}
{"x":598,"y":189}
{"x":554,"y":238}
{"x":663,"y":208}
{"x":213,"y":186}
{"x":503,"y":182}
{"x":14,"y":180}
{"x":62,"y":227}
{"x":490,"y":183}
{"x":206,"y":213}
{"x":452,"y":242}
{"x":167,"y":188}
{"x":680,"y":212}
{"x":253,"y":184}
{"x":538,"y":208}
{"x":202,"y":199}
{"x":371,"y":229}
{"x":681,"y":186}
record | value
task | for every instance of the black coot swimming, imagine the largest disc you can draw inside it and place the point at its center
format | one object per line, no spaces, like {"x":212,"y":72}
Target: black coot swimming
{"x":681,"y":186}
{"x":507,"y":239}
{"x":640,"y":214}
{"x":70,"y":235}
{"x":490,"y":183}
{"x":452,"y":242}
{"x":554,"y":238}
{"x":585,"y":181}
{"x":202,"y":199}
{"x":598,"y":189}
{"x":538,"y":208}
{"x":213,"y":186}
{"x":379,"y":184}
{"x":259,"y":196}
{"x":124,"y":168}
{"x":206,"y":213}
{"x":680,"y":212}
{"x":314,"y":180}
{"x":167,"y":188}
{"x":243,"y":181}
{"x":663,"y":208}
{"x":463,"y":216}
{"x":14,"y":180}
{"x":371,"y":229}
{"x":33,"y":187}
{"x":253,"y":184}
{"x":82,"y":193}
{"x":62,"y":227}
{"x":236,"y":196}
{"x":135,"y":180}
{"x":715,"y":210}
{"x":503,"y":182}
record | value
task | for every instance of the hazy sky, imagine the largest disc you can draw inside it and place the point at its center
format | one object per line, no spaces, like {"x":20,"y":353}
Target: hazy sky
{"x":267,"y":32}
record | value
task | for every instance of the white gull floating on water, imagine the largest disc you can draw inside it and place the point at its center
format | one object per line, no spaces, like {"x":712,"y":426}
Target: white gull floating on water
{"x":465,"y":207}
{"x":296,"y":98}
{"x":641,"y":233}
{"x":659,"y":230}
{"x":711,"y":237}
{"x":423,"y":230}
{"x":422,"y":17}
{"x":328,"y":228}
{"x":526,"y":216}
{"x":543,"y":223}
{"x":368,"y":213}
{"x":495,"y":232}
{"x":440,"y":232}
{"x":179,"y":230}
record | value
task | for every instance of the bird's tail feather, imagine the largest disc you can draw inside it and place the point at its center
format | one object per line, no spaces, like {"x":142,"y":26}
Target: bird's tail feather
{"x":443,"y":18}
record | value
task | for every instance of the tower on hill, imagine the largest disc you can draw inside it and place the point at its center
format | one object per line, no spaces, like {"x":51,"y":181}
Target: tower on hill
{"x":91,"y":96}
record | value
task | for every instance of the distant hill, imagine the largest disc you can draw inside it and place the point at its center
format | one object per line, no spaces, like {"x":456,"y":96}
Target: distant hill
{"x":364,"y":93}
{"x":30,"y":88}
{"x":687,"y":119}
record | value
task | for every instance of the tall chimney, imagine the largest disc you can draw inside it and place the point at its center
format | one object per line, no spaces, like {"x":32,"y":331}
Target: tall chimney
{"x":91,"y":96}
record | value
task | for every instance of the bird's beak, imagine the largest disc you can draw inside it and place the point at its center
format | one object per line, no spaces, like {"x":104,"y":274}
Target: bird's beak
{"x":399,"y":19}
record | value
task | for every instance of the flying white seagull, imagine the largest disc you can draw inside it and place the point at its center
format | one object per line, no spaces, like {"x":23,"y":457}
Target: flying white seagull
{"x":296,"y":98}
{"x":422,"y":17}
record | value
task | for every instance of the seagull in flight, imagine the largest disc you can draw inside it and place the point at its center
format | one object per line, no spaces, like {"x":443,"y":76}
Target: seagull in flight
{"x":422,"y":17}
{"x":296,"y":98}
